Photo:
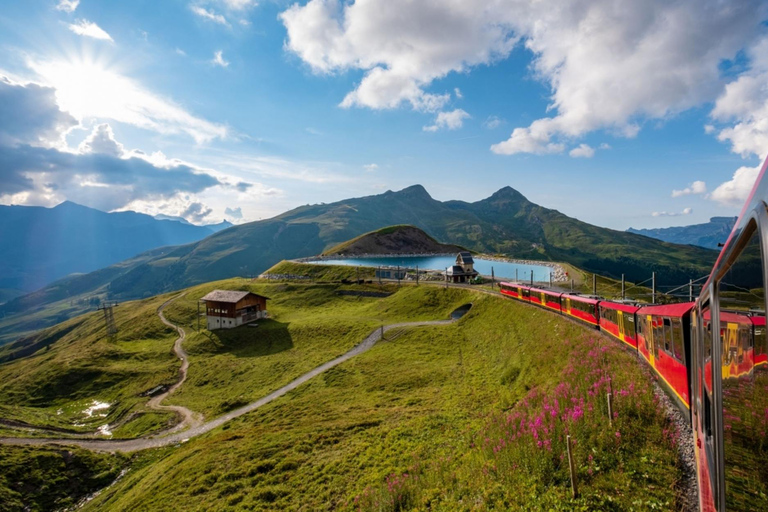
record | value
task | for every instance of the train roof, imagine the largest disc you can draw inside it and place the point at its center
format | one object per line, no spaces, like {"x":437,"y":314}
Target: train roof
{"x":542,"y":290}
{"x":581,"y":298}
{"x":627,"y":308}
{"x":677,"y":310}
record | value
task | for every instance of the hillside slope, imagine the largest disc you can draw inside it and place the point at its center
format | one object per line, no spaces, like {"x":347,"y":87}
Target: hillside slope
{"x":505,"y":223}
{"x":707,"y":235}
{"x":392,"y":240}
{"x":41,"y":245}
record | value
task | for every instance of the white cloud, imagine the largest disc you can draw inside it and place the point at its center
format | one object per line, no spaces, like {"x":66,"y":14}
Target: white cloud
{"x":67,"y":5}
{"x":87,"y":28}
{"x":697,"y":187}
{"x":457,"y":93}
{"x":452,"y":120}
{"x":612,"y":64}
{"x":735,"y":191}
{"x":102,"y":141}
{"x":744,"y":104}
{"x":582,"y":151}
{"x":29,"y":114}
{"x":89,"y":90}
{"x":534,"y":139}
{"x":605,"y":145}
{"x":370,"y":167}
{"x":709,"y":129}
{"x":234,"y":213}
{"x":686,"y":211}
{"x":218,"y":59}
{"x":401,"y":45}
{"x":493,"y":122}
{"x":181,"y":52}
{"x":209,"y":15}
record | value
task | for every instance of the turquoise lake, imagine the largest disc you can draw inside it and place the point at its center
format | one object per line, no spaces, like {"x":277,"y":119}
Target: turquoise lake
{"x":501,"y":269}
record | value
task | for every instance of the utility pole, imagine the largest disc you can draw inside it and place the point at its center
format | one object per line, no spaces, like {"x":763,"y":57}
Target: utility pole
{"x":571,"y":284}
{"x":653,"y":288}
{"x":690,"y":290}
{"x":550,"y":279}
{"x":379,"y":275}
{"x":493,"y":278}
{"x":622,"y":287}
{"x":417,"y":275}
{"x":516,"y":276}
{"x":594,"y":284}
{"x":531,"y":277}
{"x":398,"y":275}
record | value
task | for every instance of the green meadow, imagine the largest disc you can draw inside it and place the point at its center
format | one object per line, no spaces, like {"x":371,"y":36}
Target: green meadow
{"x":467,"y":416}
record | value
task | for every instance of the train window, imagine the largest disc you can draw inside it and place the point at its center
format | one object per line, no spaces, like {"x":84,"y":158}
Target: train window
{"x":677,"y":340}
{"x":629,"y":325}
{"x":745,"y":444}
{"x":667,"y":335}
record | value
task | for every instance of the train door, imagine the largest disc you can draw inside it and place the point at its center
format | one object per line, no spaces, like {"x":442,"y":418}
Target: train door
{"x":620,"y":323}
{"x":568,"y":305}
{"x":742,"y":423}
{"x":650,"y":341}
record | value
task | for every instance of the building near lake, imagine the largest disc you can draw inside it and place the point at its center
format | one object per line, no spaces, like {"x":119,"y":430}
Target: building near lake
{"x":463,"y":270}
{"x":226,"y":309}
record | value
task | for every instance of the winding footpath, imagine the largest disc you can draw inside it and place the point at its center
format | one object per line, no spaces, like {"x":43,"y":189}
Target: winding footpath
{"x":192,"y":419}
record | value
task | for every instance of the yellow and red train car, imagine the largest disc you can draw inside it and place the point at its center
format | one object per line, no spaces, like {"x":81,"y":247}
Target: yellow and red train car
{"x":618,"y":320}
{"x":663,"y":340}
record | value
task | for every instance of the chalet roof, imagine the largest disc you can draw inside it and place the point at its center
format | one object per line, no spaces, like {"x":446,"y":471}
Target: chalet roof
{"x":229,"y":296}
{"x":466,"y":257}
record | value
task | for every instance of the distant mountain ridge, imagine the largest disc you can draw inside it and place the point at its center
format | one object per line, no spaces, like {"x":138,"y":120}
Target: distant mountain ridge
{"x":703,"y":235}
{"x":505,"y":223}
{"x":41,"y":245}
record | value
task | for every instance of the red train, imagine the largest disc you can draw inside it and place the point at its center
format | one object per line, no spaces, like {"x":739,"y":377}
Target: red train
{"x":726,"y":403}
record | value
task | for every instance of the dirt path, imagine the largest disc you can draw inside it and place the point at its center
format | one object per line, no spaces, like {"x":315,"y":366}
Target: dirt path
{"x":174,"y":436}
{"x":188,"y":418}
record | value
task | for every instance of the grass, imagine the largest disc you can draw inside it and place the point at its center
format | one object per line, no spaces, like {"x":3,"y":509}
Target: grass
{"x":38,"y":479}
{"x":322,"y":273}
{"x":74,"y":364}
{"x":422,"y":406}
{"x":309,"y":324}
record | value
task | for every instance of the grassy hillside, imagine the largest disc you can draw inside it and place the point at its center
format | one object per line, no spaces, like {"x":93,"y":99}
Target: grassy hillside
{"x":50,"y":379}
{"x":41,"y":479}
{"x":392,"y":240}
{"x":425,"y":421}
{"x":505,"y":223}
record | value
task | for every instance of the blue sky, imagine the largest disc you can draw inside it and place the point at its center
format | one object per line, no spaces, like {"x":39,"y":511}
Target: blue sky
{"x":234,"y":109}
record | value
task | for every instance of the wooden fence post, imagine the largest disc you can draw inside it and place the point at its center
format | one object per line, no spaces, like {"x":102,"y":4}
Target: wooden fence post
{"x":610,"y":409}
{"x":572,"y":468}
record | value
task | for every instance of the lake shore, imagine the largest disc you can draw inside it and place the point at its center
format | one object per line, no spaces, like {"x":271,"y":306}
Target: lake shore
{"x":558,"y":272}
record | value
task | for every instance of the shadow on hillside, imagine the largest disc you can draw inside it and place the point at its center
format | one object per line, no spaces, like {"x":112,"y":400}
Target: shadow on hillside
{"x":270,"y":337}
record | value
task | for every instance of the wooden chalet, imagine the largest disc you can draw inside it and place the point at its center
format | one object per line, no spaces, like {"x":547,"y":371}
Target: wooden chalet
{"x":463,"y":270}
{"x":226,"y":309}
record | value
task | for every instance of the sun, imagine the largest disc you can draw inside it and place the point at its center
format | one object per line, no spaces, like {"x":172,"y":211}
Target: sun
{"x":86,"y":88}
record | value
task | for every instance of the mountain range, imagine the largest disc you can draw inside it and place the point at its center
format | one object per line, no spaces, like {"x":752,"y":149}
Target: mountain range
{"x":41,"y":245}
{"x":504,"y":223}
{"x":707,"y":235}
